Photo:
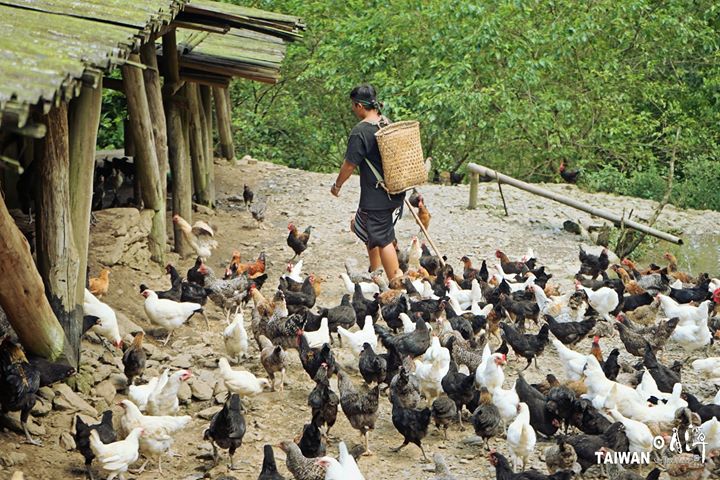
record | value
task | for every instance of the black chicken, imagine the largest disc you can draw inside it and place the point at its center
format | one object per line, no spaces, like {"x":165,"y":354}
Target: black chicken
{"x":706,"y":412}
{"x":19,"y":383}
{"x":342,"y":315}
{"x":611,"y":367}
{"x":412,"y":424}
{"x":373,"y":367}
{"x":194,"y":274}
{"x":593,"y":265}
{"x":391,"y":312}
{"x":364,"y":307}
{"x":269,"y":467}
{"x":175,"y":291}
{"x":82,"y":437}
{"x":587,"y":418}
{"x":248,"y":196}
{"x":665,"y":377}
{"x":570,"y":333}
{"x":414,"y":343}
{"x":526,"y":345}
{"x":542,"y":420}
{"x":559,"y":403}
{"x":313,"y":358}
{"x":134,"y":359}
{"x":459,"y":387}
{"x":305,"y":297}
{"x":503,"y":471}
{"x":323,"y":401}
{"x":570,"y":176}
{"x":586,"y":445}
{"x":227,"y":428}
{"x":311,"y":442}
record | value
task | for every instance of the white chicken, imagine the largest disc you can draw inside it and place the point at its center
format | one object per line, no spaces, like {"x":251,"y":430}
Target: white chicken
{"x":167,"y":313}
{"x":367,"y":288}
{"x":489,"y":373}
{"x":692,"y":336}
{"x":557,"y":307}
{"x":506,"y":402}
{"x":707,"y":367}
{"x":688,"y":314}
{"x":116,"y":457}
{"x":648,"y":388}
{"x":464,"y":297}
{"x":414,"y":252}
{"x":236,"y":338}
{"x":348,"y":463}
{"x":711,"y":430}
{"x":435,"y":350}
{"x":294,"y":272}
{"x":163,"y":400}
{"x":408,"y":325}
{"x":429,"y":374}
{"x":335,"y":471}
{"x":356,"y":340}
{"x":199,"y":236}
{"x":572,"y":361}
{"x":157,"y":431}
{"x":106,"y":327}
{"x":716,"y":400}
{"x":139,"y":394}
{"x":603,"y":300}
{"x":241,"y":382}
{"x":662,"y":412}
{"x":638,"y":434}
{"x":319,"y":337}
{"x":521,"y":436}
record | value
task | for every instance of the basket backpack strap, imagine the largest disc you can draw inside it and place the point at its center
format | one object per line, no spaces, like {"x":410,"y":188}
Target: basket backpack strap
{"x":378,"y":177}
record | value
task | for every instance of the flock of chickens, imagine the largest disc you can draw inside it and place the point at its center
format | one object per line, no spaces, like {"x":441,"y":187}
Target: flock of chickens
{"x":434,"y":344}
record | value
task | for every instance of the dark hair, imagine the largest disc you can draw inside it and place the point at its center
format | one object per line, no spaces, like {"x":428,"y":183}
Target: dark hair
{"x":365,"y":95}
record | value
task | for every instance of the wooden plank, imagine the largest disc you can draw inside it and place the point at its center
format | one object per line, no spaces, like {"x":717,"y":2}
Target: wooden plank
{"x":57,"y":257}
{"x":83,"y":123}
{"x":147,"y":168}
{"x":224,"y":122}
{"x":178,"y":155}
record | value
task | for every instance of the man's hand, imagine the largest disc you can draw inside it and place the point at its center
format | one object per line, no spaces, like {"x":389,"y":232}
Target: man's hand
{"x":335,"y":190}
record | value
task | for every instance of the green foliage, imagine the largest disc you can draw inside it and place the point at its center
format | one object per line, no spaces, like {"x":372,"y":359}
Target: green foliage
{"x":113,"y":113}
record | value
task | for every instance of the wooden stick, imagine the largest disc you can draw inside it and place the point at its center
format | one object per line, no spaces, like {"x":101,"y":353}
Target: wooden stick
{"x":223,"y":116}
{"x":474,"y":179}
{"x":425,"y":232}
{"x":503,"y":197}
{"x":598,"y":212}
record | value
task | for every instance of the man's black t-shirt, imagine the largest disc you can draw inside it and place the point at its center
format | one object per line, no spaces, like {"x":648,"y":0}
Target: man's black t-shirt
{"x":362,"y":144}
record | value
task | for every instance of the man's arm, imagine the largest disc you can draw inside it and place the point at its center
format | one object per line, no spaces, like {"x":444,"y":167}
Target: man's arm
{"x":346,"y":170}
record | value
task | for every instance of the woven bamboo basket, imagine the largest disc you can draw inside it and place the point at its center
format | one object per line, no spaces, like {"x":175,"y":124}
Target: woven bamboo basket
{"x":402,"y":156}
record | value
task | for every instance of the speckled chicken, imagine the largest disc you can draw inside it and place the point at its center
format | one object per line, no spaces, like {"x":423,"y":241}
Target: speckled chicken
{"x":443,"y":412}
{"x":561,"y":456}
{"x":323,"y":400}
{"x":360,"y":406}
{"x":486,"y":418}
{"x":300,"y":467}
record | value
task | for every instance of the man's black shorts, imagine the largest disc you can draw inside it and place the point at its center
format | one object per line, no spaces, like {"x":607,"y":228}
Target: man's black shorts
{"x":376,"y":228}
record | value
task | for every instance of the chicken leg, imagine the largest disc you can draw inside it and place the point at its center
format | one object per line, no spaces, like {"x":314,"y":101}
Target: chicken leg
{"x":167,"y":338}
{"x":29,"y":438}
{"x":367,"y":451}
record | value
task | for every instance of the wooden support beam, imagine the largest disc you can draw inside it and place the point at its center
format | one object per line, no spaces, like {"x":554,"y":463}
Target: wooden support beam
{"x":22,"y":293}
{"x":83,"y":123}
{"x":57,"y":257}
{"x":206,"y":103}
{"x":113,"y":84}
{"x":157,"y":113}
{"x":474,"y":179}
{"x":178,"y":155}
{"x":147,"y":168}
{"x":224,"y":123}
{"x":198,"y":151}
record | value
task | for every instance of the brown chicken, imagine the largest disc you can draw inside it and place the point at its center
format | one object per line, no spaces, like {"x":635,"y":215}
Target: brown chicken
{"x":631,"y":286}
{"x":298,"y":241}
{"x":673,"y":271}
{"x":424,"y":214}
{"x":99,"y":286}
{"x":134,"y":359}
{"x":264,"y":306}
{"x":233,"y":265}
{"x":317,"y":285}
{"x":253,"y":269}
{"x":508,"y":265}
{"x":274,"y":359}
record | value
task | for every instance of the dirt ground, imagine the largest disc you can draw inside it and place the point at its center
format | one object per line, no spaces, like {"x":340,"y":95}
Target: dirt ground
{"x":304,"y":198}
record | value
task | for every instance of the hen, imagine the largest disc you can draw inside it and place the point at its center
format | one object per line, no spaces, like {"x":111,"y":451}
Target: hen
{"x":99,"y":286}
{"x":412,"y":423}
{"x":570,"y":176}
{"x":459,"y":387}
{"x":357,"y":340}
{"x":226,"y":294}
{"x":168,"y":314}
{"x":593,"y":265}
{"x":486,"y":418}
{"x":200,"y":236}
{"x":106,"y":325}
{"x":241,"y":382}
{"x":373,"y":367}
{"x":323,"y":401}
{"x":360,"y":407}
{"x":133,"y":359}
{"x":560,"y":456}
{"x":269,"y":467}
{"x":273,"y":359}
{"x":163,"y":400}
{"x":82,"y":437}
{"x":412,"y":344}
{"x":503,"y":471}
{"x":570,"y":333}
{"x":227,"y":429}
{"x":235,"y":338}
{"x":116,"y":457}
{"x":443,"y":412}
{"x":586,"y":446}
{"x":311,"y":441}
{"x":258,"y":210}
{"x":19,"y":383}
{"x":298,"y":241}
{"x":313,"y":358}
{"x":521,"y":436}
{"x":300,"y":467}
{"x":526,"y":345}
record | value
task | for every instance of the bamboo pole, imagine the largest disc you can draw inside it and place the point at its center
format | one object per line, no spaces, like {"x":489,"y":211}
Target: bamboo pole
{"x":177,"y":144}
{"x":57,"y":257}
{"x":206,"y":104}
{"x":146,"y":161}
{"x":83,"y":123}
{"x":616,"y":219}
{"x":197,"y":144}
{"x":157,"y":113}
{"x":22,"y":293}
{"x":474,"y":179}
{"x":224,"y":122}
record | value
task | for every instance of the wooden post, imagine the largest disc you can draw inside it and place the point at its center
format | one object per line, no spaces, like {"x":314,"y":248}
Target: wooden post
{"x":207,"y":116}
{"x":22,"y":294}
{"x":224,"y":123}
{"x":83,"y":123}
{"x":145,"y":155}
{"x":57,"y":257}
{"x":197,"y":143}
{"x":177,"y":143}
{"x":474,"y":178}
{"x":157,"y":113}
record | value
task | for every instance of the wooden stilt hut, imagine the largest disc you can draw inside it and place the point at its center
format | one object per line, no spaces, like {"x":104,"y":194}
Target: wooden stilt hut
{"x":177,"y":59}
